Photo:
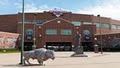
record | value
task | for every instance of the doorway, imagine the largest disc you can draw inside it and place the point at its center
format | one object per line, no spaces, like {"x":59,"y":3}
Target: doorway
{"x":59,"y":46}
{"x":28,"y":46}
{"x":88,"y":46}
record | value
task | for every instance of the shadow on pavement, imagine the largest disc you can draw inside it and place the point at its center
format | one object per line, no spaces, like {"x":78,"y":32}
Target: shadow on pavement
{"x":17,"y":65}
{"x":67,"y":64}
{"x":12,"y":65}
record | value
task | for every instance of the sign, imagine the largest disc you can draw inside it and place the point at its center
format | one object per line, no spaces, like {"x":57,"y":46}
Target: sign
{"x":29,"y":32}
{"x":86,"y":32}
{"x":57,"y":13}
{"x":29,"y":37}
{"x":87,"y":37}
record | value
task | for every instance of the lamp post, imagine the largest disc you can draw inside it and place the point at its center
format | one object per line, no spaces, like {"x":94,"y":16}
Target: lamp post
{"x":109,"y":43}
{"x":95,"y":40}
{"x":100,"y":35}
{"x":22,"y":33}
{"x":34,"y":28}
{"x":96,"y":46}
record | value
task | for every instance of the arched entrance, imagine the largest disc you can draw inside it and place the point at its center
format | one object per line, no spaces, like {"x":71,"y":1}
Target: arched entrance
{"x":28,"y":46}
{"x":59,"y":46}
{"x":88,"y":46}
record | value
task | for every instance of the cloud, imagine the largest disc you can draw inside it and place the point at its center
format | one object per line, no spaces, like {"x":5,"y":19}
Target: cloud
{"x":28,"y":7}
{"x":18,"y":5}
{"x":31,"y":7}
{"x":34,"y":8}
{"x":106,"y":8}
{"x":4,"y":2}
{"x":109,"y":8}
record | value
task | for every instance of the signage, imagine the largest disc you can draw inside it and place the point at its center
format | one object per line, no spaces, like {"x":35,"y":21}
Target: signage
{"x":86,"y":32}
{"x":29,"y":32}
{"x":87,"y":37}
{"x":29,"y":37}
{"x":57,"y":13}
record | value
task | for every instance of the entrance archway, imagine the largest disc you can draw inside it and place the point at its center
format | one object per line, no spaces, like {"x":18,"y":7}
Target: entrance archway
{"x":88,"y":46}
{"x":59,"y":46}
{"x":28,"y":46}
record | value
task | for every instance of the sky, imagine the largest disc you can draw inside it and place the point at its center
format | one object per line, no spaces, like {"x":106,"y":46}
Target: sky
{"x":106,"y":8}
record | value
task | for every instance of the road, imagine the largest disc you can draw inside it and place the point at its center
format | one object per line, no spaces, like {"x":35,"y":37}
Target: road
{"x":63,"y":60}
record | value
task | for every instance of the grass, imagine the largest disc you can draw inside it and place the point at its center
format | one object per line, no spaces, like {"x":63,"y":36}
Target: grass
{"x":8,"y":50}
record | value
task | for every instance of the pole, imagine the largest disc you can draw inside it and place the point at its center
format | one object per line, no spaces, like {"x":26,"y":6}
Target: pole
{"x":34,"y":28}
{"x":22,"y":38}
{"x":100,"y":36}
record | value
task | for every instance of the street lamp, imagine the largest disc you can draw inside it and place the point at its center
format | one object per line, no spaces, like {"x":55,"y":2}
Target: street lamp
{"x":100,"y":35}
{"x":34,"y":28}
{"x":95,"y":46}
{"x":95,"y":40}
{"x":22,"y":33}
{"x":109,"y":41}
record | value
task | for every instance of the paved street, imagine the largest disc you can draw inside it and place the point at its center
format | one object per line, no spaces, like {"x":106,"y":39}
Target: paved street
{"x":63,"y":60}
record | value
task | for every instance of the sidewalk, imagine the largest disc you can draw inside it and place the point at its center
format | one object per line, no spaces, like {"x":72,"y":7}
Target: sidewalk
{"x":63,"y":60}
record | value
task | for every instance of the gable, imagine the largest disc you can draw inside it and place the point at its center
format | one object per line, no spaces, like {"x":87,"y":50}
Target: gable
{"x":58,"y":22}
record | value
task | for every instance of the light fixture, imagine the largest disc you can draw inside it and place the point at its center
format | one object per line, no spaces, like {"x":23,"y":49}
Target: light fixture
{"x":40,"y":35}
{"x":95,"y":38}
{"x":58,"y":21}
{"x":76,"y":27}
{"x":39,"y":26}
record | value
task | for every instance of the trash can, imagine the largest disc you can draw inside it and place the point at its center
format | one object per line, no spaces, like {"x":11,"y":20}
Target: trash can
{"x":96,"y":49}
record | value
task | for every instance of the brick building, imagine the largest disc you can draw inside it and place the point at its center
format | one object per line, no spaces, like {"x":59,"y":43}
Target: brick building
{"x":57,"y":29}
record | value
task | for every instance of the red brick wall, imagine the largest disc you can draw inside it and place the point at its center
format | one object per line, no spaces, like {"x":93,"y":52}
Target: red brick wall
{"x":8,"y":23}
{"x":42,"y":38}
{"x":58,"y":27}
{"x":92,"y":30}
{"x":81,"y":18}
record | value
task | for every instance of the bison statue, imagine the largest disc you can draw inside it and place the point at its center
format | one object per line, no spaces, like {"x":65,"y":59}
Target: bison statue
{"x":40,"y":54}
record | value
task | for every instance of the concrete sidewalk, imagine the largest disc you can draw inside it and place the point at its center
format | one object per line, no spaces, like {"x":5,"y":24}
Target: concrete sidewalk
{"x":63,"y":60}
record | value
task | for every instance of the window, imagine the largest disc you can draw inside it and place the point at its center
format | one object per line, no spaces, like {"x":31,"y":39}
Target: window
{"x":113,"y":26}
{"x":76,"y":23}
{"x":97,"y":24}
{"x":66,"y":32}
{"x":51,"y":31}
{"x":87,"y":23}
{"x":38,"y":22}
{"x":118,"y":26}
{"x":106,"y":25}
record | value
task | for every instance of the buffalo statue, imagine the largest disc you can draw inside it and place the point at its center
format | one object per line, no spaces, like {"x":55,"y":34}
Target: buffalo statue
{"x":40,"y":54}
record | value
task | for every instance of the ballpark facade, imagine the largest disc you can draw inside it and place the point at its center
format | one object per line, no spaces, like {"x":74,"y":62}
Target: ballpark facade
{"x":58,"y":29}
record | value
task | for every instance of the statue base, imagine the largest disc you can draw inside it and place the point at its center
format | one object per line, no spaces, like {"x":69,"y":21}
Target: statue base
{"x":79,"y":55}
{"x":79,"y":52}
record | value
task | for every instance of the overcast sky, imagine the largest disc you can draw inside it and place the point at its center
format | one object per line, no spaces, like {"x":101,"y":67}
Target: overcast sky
{"x":106,"y":8}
